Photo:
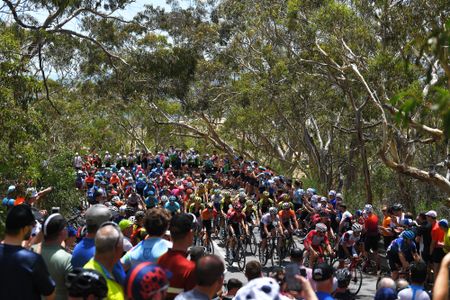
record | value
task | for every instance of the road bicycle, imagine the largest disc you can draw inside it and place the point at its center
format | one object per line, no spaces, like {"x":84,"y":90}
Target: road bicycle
{"x":237,"y":254}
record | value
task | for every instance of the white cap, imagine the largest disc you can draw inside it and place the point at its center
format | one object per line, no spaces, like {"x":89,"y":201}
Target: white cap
{"x":431,"y":213}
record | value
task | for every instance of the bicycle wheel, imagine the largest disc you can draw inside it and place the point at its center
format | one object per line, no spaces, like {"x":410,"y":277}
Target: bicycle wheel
{"x":209,"y":246}
{"x":252,"y":244}
{"x":279,"y":254}
{"x":240,"y":256}
{"x":263,"y":255}
{"x":356,"y":281}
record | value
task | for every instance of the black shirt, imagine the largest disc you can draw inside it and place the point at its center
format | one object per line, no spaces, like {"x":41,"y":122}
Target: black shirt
{"x":23,"y":274}
{"x":424,"y":230}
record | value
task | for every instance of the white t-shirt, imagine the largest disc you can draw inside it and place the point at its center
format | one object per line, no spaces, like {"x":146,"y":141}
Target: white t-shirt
{"x":407,"y":294}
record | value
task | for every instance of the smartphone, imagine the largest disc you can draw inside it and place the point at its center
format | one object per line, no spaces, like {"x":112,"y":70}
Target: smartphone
{"x":293,"y":284}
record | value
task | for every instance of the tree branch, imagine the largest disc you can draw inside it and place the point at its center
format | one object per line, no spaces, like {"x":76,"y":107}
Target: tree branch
{"x":44,"y":78}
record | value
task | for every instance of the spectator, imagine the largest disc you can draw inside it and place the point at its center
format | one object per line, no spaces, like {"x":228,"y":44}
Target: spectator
{"x":343,"y":277}
{"x":146,"y":281}
{"x":56,"y":258}
{"x":418,"y":275}
{"x":175,"y":261}
{"x":196,"y":252}
{"x":386,"y":282}
{"x":210,"y":274}
{"x":440,"y":289}
{"x":108,"y":250}
{"x":424,"y":238}
{"x":297,"y":258}
{"x":323,"y":276}
{"x":156,"y":222}
{"x":23,"y":274}
{"x":444,"y":226}
{"x":253,"y":270}
{"x":85,"y":249}
{"x":86,"y":284}
{"x":126,"y":226}
{"x":437,"y":241}
{"x":69,"y":242}
{"x":401,"y":284}
{"x":387,"y":234}
{"x":233,"y":285}
{"x":10,"y":197}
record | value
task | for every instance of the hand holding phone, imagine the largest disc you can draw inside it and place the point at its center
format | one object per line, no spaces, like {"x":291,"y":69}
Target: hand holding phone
{"x":292,"y":270}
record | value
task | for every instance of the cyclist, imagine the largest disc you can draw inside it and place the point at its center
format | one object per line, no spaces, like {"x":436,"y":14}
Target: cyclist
{"x":288,"y":218}
{"x":270,"y":222}
{"x":401,"y":252}
{"x":347,"y":244}
{"x":251,"y":215}
{"x":345,"y":219}
{"x":264,"y":203}
{"x":197,"y":207}
{"x":172,"y":205}
{"x":207,"y":216}
{"x":317,"y":243}
{"x":236,"y":224}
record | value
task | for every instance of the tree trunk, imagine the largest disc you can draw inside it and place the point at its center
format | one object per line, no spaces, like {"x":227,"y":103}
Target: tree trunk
{"x":362,"y":150}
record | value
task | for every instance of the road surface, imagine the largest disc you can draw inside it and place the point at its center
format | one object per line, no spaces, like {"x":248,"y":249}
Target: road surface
{"x":367,"y":290}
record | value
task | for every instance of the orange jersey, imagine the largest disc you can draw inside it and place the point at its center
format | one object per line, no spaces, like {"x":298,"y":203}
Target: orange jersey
{"x":208,"y":215}
{"x":286,"y":215}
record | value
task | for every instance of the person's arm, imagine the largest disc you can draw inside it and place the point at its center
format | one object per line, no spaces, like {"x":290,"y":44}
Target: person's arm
{"x":402,"y":258}
{"x":42,"y":280}
{"x":440,"y":289}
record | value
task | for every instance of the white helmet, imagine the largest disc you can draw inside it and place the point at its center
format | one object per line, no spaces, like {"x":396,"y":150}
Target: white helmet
{"x":321,"y":227}
{"x":273,"y":210}
{"x":357,"y":227}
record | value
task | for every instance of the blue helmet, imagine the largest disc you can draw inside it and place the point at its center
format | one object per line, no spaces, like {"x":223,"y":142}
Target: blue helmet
{"x":408,"y":234}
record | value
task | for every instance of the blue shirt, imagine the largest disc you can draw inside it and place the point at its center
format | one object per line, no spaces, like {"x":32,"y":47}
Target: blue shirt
{"x":324,"y":296}
{"x":147,"y":250}
{"x":85,"y":250}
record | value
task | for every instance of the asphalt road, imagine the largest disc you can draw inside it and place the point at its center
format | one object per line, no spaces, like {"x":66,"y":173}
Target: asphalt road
{"x":367,"y":290}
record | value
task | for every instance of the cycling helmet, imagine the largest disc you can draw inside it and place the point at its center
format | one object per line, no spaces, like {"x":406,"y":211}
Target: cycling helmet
{"x":343,"y":277}
{"x":209,"y":205}
{"x":83,"y":282}
{"x":286,"y":205}
{"x":273,"y":210}
{"x":198,"y":199}
{"x":164,"y":198}
{"x":357,"y":227}
{"x":266,"y":193}
{"x":358,"y":213}
{"x":321,"y":227}
{"x":397,"y":206}
{"x":242,"y":195}
{"x":248,"y":202}
{"x":332,"y":193}
{"x":368,"y":208}
{"x":216,"y":191}
{"x":408,"y":234}
{"x":323,"y":199}
{"x":339,"y":196}
{"x":139,"y":215}
{"x":172,"y":198}
{"x":226,"y":194}
{"x":241,"y":190}
{"x":122,"y":209}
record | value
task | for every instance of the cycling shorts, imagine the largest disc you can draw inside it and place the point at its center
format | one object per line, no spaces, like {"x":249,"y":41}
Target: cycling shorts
{"x":207,"y":225}
{"x":236,"y":228}
{"x":270,"y":227}
{"x":341,"y":252}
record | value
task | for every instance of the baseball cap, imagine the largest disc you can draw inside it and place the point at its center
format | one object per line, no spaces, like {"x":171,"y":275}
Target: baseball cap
{"x":124,"y":224}
{"x":19,"y":217}
{"x":322,"y":271}
{"x":97,"y":214}
{"x":181,"y":224}
{"x":443,"y":222}
{"x":145,"y":280}
{"x":54,"y":224}
{"x":263,"y":288}
{"x":431,"y":213}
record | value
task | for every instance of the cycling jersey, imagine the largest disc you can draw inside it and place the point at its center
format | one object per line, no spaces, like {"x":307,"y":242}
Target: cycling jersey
{"x":265,"y":204}
{"x":315,"y":240}
{"x":249,"y":212}
{"x":196,"y":210}
{"x":399,"y":245}
{"x":208,"y":215}
{"x":225,"y":205}
{"x":371,"y":225}
{"x":267,"y":220}
{"x":348,"y":239}
{"x":286,"y":215}
{"x":235,"y":217}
